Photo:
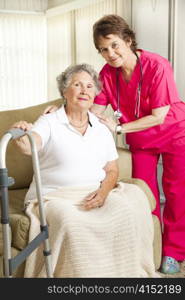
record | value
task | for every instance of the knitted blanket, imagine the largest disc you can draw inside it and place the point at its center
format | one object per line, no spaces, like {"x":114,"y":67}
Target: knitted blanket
{"x":112,"y":241}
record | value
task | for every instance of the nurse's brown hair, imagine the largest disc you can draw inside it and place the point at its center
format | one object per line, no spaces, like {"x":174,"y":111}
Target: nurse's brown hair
{"x":113,"y":24}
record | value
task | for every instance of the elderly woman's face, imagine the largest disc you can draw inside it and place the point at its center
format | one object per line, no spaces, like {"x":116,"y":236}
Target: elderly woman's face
{"x":114,"y":50}
{"x":81,"y":90}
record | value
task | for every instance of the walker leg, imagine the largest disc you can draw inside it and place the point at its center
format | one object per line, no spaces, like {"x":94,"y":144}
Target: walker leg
{"x":11,"y":263}
{"x":47,"y":254}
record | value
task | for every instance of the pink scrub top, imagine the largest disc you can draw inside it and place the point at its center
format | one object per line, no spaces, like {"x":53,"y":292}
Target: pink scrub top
{"x":158,"y":89}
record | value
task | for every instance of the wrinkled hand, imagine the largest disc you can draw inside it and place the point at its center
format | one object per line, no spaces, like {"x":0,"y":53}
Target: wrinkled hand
{"x":22,"y":142}
{"x":93,"y":200}
{"x":108,"y":121}
{"x":49,"y":109}
{"x":22,"y":125}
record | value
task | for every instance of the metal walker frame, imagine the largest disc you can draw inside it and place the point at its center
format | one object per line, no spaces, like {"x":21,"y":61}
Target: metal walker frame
{"x":10,"y":264}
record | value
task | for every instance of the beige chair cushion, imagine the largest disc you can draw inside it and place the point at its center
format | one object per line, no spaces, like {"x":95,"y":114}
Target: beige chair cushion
{"x":16,"y":201}
{"x":18,"y":220}
{"x":124,"y":163}
{"x":20,"y":230}
{"x":145,"y":188}
{"x":1,"y":238}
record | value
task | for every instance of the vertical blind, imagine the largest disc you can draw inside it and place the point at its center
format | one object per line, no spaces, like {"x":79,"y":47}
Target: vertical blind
{"x":59,"y":49}
{"x":34,"y":49}
{"x":22,"y":60}
{"x":70,"y":39}
{"x":84,"y":20}
{"x":25,"y":5}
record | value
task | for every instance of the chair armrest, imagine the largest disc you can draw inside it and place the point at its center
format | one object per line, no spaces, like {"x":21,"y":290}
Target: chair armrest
{"x":144,"y":186}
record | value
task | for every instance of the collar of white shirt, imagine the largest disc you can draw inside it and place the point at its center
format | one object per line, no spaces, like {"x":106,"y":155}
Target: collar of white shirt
{"x":62,"y":116}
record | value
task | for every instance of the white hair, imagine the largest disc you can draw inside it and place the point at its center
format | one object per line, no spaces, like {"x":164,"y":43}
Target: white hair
{"x":64,"y":78}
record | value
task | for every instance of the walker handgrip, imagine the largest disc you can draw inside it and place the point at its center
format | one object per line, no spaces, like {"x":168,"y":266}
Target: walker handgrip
{"x":16,"y":132}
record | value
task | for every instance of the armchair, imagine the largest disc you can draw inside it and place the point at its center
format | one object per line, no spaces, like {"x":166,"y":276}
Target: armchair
{"x":20,"y":168}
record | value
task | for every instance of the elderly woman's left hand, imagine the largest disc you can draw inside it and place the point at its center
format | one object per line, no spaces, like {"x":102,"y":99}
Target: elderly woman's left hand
{"x":94,"y":200}
{"x":108,"y":121}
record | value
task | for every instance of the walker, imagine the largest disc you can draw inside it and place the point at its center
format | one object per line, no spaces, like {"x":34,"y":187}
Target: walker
{"x":10,"y":264}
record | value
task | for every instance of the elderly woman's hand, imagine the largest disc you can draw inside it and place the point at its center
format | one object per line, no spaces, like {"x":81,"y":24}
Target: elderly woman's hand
{"x":23,"y":141}
{"x":108,"y":121}
{"x":94,"y":200}
{"x":22,"y":125}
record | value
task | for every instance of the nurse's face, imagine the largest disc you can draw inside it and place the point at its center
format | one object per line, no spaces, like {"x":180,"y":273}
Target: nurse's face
{"x":115,"y":50}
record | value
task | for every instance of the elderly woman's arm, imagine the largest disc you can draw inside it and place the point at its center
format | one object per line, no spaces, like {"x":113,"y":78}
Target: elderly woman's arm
{"x":98,"y":197}
{"x":23,"y":143}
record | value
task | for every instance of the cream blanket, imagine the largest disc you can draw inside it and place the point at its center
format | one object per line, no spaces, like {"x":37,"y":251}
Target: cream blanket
{"x":112,"y":241}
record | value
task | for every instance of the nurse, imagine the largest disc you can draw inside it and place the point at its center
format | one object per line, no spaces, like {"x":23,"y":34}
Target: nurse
{"x":140,"y":87}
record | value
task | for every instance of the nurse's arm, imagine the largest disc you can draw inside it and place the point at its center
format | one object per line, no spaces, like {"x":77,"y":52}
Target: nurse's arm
{"x":156,"y":118}
{"x":98,"y":109}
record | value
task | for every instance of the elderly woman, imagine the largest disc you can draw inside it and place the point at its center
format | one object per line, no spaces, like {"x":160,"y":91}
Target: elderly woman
{"x":97,"y":228}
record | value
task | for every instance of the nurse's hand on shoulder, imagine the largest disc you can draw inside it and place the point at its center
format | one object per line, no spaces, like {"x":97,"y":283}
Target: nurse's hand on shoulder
{"x":108,"y":121}
{"x":49,"y":109}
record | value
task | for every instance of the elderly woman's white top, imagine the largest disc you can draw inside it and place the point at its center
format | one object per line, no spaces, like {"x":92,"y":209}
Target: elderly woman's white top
{"x":68,"y":158}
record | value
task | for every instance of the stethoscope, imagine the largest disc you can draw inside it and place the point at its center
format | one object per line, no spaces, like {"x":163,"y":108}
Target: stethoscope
{"x":118,"y":114}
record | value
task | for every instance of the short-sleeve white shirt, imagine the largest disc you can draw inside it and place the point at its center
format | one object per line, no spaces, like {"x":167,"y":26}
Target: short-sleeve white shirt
{"x":68,"y":158}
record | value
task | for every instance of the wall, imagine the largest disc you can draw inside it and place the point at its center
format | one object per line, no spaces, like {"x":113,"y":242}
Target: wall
{"x":148,"y":17}
{"x":25,"y":5}
{"x":54,"y":3}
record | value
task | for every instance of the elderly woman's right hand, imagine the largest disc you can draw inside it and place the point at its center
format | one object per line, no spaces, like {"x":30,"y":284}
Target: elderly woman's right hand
{"x":94,"y":199}
{"x":23,"y":142}
{"x":22,"y":125}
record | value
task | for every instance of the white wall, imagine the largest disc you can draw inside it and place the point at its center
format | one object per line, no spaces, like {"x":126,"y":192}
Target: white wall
{"x":54,"y":3}
{"x":26,"y":5}
{"x":150,"y":22}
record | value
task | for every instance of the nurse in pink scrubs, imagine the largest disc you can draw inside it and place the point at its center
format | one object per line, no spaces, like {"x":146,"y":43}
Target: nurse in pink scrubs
{"x":140,"y":87}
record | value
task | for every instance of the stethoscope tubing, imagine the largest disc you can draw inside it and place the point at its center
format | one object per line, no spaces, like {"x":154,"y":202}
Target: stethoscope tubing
{"x":118,"y":113}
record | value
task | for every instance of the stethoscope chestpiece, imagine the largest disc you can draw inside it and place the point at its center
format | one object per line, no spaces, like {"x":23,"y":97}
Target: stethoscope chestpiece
{"x":118,"y":114}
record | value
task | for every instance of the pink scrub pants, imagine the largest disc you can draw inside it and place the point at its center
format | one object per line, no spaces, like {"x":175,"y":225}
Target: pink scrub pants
{"x":144,"y":165}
